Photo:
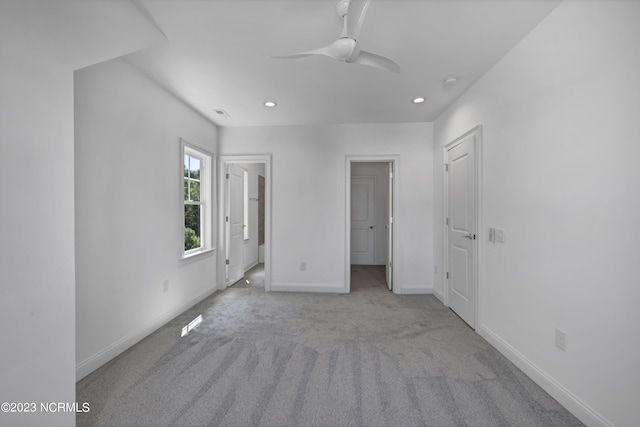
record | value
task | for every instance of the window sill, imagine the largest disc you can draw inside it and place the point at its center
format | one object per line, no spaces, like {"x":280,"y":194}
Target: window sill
{"x":196,"y":255}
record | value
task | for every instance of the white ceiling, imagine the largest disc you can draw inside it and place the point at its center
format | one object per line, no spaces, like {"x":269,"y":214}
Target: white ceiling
{"x":218,"y":56}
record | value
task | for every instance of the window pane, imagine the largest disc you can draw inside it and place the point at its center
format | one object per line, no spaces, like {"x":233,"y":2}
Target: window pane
{"x":196,"y":198}
{"x":194,"y":167}
{"x":194,"y":190}
{"x":192,"y":236}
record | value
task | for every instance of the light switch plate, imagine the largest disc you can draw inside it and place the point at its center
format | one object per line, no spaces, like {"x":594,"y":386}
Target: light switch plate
{"x":500,"y":235}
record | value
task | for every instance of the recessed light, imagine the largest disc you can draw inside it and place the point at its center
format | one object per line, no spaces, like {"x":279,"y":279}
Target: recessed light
{"x":418,"y":100}
{"x":270,"y":104}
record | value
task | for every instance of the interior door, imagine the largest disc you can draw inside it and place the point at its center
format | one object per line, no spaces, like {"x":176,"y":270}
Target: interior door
{"x":235,"y":223}
{"x":461,"y":229}
{"x":362,"y":193}
{"x":390,"y":231}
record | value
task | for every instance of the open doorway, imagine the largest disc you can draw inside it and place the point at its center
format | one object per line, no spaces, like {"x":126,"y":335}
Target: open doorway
{"x":370,"y":221}
{"x":245,"y":221}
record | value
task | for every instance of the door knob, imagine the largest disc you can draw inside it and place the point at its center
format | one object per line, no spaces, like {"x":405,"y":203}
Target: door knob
{"x":470,"y":236}
{"x":371,"y":227}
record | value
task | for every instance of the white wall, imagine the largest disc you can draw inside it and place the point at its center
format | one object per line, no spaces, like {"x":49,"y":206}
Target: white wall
{"x":36,"y":225}
{"x":128,"y":210}
{"x":381,"y":205}
{"x":561,"y":122}
{"x":309,"y":205}
{"x":38,"y":52}
{"x":250,"y":248}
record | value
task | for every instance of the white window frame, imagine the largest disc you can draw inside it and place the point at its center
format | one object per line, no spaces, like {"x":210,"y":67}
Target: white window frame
{"x":207,"y":185}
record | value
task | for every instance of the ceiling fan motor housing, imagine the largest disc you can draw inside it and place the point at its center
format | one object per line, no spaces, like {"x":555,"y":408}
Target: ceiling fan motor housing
{"x":344,"y":49}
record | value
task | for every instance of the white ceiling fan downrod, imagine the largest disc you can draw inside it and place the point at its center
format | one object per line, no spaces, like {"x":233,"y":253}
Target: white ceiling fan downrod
{"x":345,"y":48}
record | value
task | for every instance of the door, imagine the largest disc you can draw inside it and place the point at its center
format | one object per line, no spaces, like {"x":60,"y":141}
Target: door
{"x":461,"y":232}
{"x":390,"y":230}
{"x":235,"y":223}
{"x":362,"y":191}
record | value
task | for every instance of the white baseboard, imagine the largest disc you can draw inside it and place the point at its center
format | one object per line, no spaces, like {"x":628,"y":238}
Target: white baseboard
{"x":250,"y":266}
{"x":413,"y":290}
{"x":573,"y":403}
{"x":89,"y":365}
{"x":308,"y":287}
{"x":339,"y":288}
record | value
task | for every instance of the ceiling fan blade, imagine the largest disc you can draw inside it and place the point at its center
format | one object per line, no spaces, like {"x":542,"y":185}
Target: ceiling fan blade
{"x":378,"y":61}
{"x":355,"y":17}
{"x":326,"y":50}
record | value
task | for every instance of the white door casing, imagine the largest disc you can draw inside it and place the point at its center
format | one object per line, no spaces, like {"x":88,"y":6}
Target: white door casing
{"x":461,"y":228}
{"x":362,"y":220}
{"x":389,"y":266}
{"x":394,"y":159}
{"x":223,"y":210}
{"x":235,"y":223}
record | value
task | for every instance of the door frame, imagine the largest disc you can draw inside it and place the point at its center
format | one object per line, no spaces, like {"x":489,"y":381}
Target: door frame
{"x":477,"y":132}
{"x":356,"y":158}
{"x":222,"y":234}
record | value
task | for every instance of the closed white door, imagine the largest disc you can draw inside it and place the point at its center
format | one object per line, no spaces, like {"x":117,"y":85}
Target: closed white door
{"x":461,"y":229}
{"x":362,"y":191}
{"x":235,"y":223}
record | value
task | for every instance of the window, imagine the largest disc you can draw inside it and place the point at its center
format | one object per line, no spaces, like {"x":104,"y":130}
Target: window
{"x":197,"y":199}
{"x":246,"y":205}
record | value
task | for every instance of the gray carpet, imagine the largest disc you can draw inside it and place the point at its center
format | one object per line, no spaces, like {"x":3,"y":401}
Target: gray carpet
{"x":369,"y":358}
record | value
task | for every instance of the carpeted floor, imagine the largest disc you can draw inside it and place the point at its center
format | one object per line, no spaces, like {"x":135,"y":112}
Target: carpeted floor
{"x":369,"y":358}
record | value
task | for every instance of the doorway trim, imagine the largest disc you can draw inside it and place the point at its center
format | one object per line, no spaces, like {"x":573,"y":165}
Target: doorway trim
{"x":358,"y":158}
{"x":222,"y":191}
{"x":477,"y":132}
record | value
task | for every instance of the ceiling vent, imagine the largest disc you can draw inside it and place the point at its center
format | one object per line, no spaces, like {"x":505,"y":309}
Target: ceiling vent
{"x":221,"y":113}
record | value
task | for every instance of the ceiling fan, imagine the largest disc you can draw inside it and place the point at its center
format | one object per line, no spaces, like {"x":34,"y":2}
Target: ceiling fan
{"x":346,"y":48}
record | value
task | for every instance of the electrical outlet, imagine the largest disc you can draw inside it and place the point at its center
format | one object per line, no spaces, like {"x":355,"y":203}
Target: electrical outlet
{"x":165,"y":286}
{"x":561,"y":340}
{"x":303,"y":265}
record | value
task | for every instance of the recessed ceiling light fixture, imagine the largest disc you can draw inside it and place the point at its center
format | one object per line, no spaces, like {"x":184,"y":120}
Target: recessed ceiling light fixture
{"x":418,"y":100}
{"x":270,"y":104}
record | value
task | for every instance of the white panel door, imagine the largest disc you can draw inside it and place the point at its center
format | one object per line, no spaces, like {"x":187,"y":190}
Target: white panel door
{"x":362,"y":191}
{"x":461,"y":229}
{"x":235,"y":224}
